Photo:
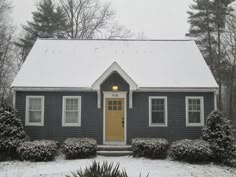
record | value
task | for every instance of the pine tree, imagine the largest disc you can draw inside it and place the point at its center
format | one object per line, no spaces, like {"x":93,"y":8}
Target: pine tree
{"x":201,"y":28}
{"x":207,"y":24}
{"x":48,"y":21}
{"x":219,"y":133}
{"x":220,"y":10}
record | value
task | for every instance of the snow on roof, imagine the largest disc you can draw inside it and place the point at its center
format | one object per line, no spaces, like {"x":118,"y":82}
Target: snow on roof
{"x":150,"y":63}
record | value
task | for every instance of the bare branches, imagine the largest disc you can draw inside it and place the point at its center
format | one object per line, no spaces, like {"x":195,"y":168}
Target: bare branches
{"x":86,"y":17}
{"x":6,"y":46}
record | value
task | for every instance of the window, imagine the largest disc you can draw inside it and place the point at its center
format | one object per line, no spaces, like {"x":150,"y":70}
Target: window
{"x":194,"y":111}
{"x":158,"y":111}
{"x":34,"y":111}
{"x":71,"y":115}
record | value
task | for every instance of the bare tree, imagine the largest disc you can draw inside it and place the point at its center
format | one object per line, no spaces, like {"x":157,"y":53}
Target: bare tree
{"x":6,"y":46}
{"x":229,"y":46}
{"x":117,"y":30}
{"x":86,"y":17}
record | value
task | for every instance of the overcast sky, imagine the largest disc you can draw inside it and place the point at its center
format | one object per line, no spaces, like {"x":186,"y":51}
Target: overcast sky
{"x":157,"y":19}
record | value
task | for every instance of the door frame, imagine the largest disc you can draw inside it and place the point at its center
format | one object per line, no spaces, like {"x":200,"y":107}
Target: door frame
{"x":107,"y":94}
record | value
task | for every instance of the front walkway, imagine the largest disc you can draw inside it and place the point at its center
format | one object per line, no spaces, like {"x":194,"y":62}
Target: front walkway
{"x":133,"y":166}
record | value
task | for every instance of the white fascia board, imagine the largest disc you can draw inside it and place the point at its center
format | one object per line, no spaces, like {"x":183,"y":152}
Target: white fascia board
{"x":115,"y":67}
{"x":173,"y":89}
{"x":74,"y":89}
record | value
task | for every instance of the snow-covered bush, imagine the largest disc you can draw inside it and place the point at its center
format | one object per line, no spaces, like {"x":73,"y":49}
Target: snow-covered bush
{"x":154,"y":148}
{"x":11,"y":132}
{"x":76,"y":148}
{"x":100,"y":170}
{"x":219,"y":134}
{"x":42,"y":150}
{"x":192,"y":151}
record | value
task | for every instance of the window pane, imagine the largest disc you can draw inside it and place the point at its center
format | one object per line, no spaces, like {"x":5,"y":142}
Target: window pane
{"x":34,"y":116}
{"x":194,"y":104}
{"x":71,"y":117}
{"x":158,"y":117}
{"x":158,"y":104}
{"x":109,"y":108}
{"x":72,"y":101}
{"x":35,"y":103}
{"x":194,"y":117}
{"x":72,"y":104}
{"x":72,"y":107}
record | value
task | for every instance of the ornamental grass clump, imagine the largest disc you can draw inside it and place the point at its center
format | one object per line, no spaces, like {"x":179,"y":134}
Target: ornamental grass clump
{"x":100,"y":170}
{"x":154,"y":148}
{"x":78,"y":148}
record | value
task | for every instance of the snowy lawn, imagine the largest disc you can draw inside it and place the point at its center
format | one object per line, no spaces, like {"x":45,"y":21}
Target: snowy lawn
{"x":133,"y":166}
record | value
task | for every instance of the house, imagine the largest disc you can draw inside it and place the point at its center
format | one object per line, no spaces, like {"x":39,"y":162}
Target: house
{"x":114,"y":90}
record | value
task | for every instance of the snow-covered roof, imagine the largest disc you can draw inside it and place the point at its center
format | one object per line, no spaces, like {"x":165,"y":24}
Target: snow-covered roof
{"x":149,"y":63}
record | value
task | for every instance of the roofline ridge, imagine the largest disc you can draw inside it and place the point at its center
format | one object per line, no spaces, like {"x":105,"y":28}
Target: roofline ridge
{"x":66,"y":39}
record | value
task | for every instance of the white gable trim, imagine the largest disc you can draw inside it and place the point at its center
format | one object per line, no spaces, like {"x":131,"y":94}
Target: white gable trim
{"x":114,"y":67}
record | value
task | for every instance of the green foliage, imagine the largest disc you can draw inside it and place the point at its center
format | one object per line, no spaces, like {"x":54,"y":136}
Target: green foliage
{"x":192,"y":151}
{"x":49,"y":21}
{"x":77,"y":148}
{"x":154,"y":148}
{"x":43,"y":150}
{"x":219,"y":133}
{"x":100,"y":170}
{"x":11,"y":132}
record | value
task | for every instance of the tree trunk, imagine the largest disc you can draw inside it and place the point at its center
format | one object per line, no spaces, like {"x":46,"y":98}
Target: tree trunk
{"x":219,"y":66}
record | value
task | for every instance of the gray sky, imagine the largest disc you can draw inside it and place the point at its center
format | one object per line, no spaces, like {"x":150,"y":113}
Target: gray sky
{"x":157,"y":19}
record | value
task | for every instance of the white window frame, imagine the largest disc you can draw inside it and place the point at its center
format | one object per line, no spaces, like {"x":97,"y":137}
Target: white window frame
{"x":201,"y":98}
{"x":27,"y":122}
{"x":165,"y":112}
{"x":64,"y":124}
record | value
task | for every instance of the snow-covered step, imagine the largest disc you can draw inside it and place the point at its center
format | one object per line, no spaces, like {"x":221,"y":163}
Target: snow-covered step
{"x":114,"y":148}
{"x":114,"y":153}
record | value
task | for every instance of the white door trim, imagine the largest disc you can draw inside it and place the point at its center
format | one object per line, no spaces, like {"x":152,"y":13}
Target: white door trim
{"x":114,"y":95}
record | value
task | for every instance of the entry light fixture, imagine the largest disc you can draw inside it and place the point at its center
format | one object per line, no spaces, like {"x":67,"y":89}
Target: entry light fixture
{"x":115,"y":88}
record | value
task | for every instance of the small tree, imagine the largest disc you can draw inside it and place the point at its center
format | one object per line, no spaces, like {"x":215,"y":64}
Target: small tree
{"x":219,"y":133}
{"x":11,"y":132}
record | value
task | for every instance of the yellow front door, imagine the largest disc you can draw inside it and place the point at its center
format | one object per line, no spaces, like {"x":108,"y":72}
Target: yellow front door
{"x":114,"y":119}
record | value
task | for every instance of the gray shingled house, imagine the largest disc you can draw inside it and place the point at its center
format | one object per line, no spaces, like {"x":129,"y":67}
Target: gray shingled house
{"x":114,"y":90}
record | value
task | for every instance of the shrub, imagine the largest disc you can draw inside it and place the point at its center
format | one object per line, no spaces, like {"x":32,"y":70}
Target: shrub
{"x":154,"y":148}
{"x":219,"y":134}
{"x":11,"y":132}
{"x":192,"y":151}
{"x":98,"y":170}
{"x":43,"y":150}
{"x":76,"y":148}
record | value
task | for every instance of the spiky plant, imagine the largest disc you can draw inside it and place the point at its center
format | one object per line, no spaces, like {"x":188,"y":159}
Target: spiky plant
{"x":100,"y":170}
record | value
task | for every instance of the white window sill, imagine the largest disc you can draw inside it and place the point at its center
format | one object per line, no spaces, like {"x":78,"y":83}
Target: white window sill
{"x":158,"y":125}
{"x":71,"y":125}
{"x":195,"y":125}
{"x":34,"y":124}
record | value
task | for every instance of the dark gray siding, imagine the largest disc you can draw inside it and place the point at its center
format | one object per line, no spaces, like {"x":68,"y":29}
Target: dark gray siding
{"x":138,"y":117}
{"x":92,"y":118}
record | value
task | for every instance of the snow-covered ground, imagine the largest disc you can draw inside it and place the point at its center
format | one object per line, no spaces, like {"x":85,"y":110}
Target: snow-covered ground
{"x":133,"y":166}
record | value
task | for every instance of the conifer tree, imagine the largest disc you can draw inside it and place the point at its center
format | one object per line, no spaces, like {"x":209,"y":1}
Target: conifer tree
{"x":219,"y":133}
{"x":201,"y":28}
{"x":207,"y":20}
{"x":49,"y":21}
